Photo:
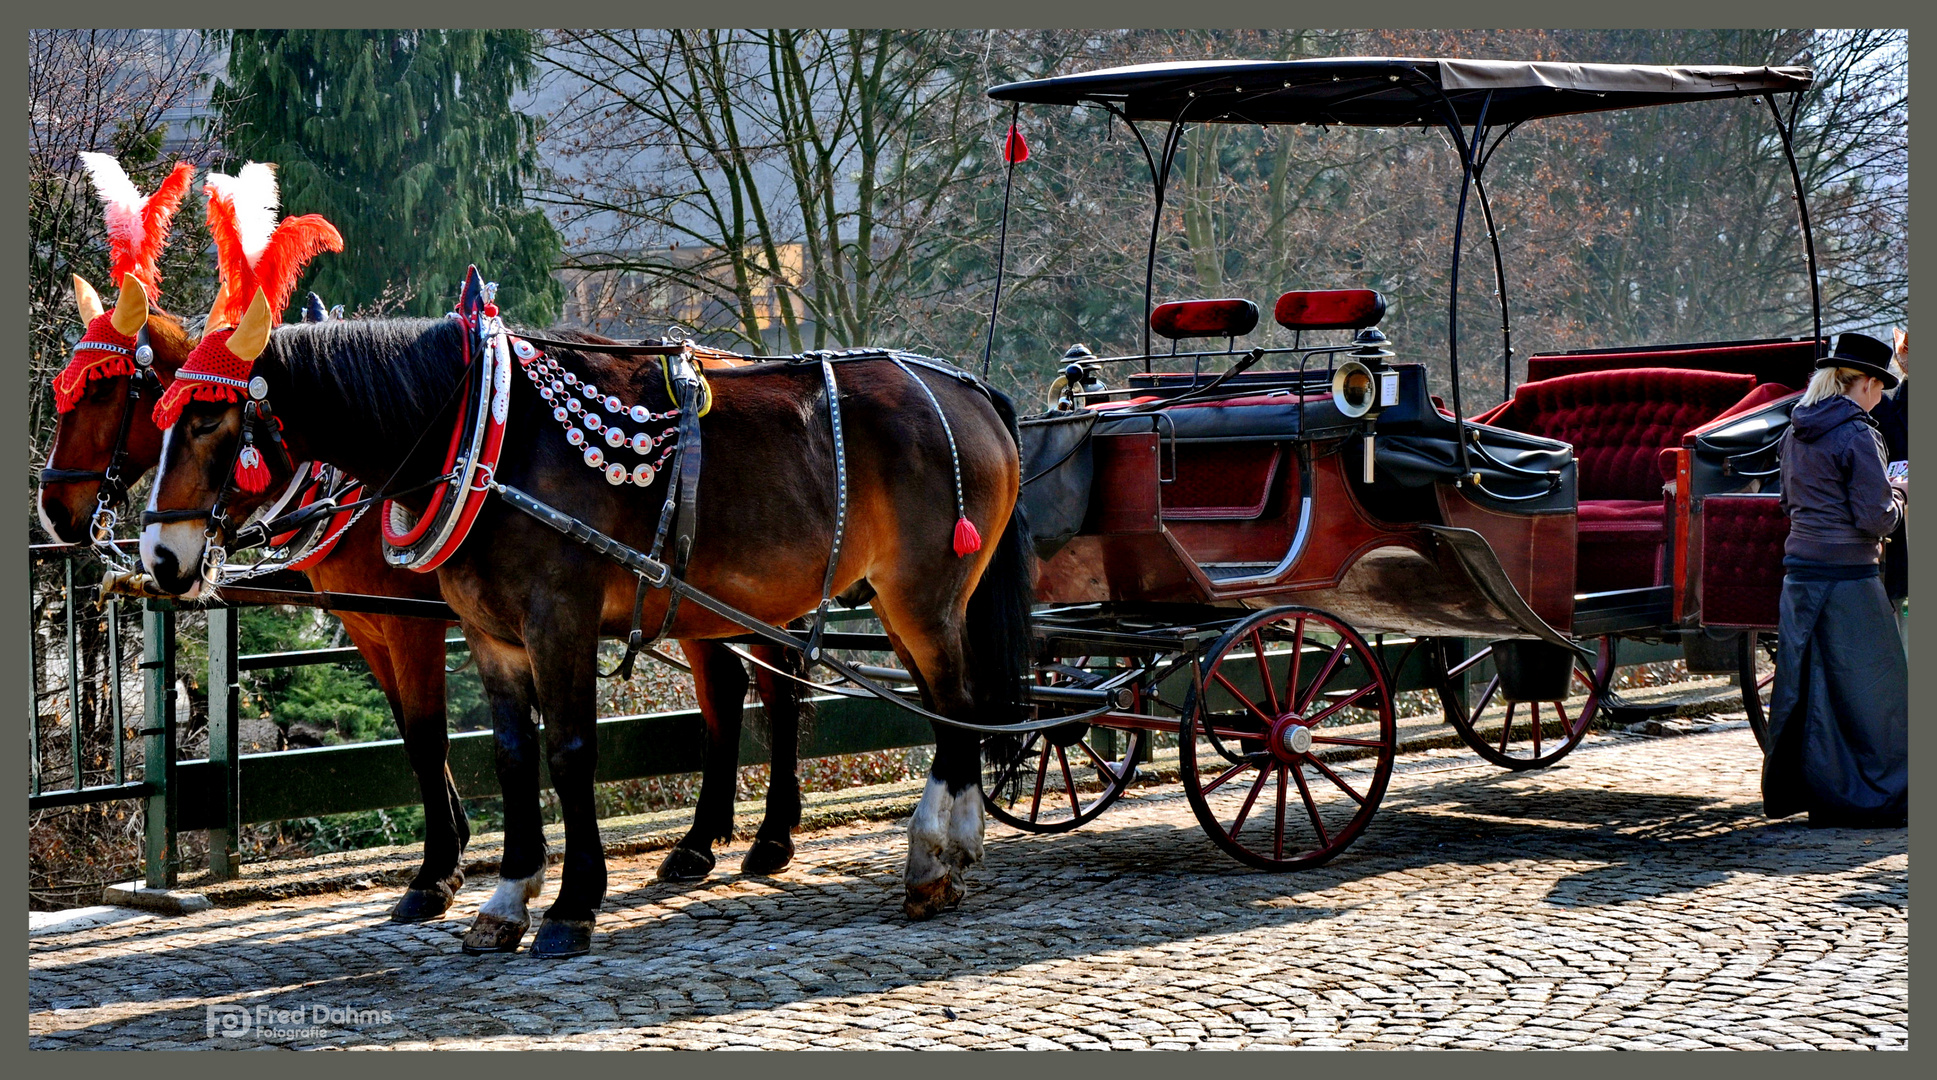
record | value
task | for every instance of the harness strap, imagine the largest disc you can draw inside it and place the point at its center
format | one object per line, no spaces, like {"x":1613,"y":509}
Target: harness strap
{"x":685,"y":487}
{"x":840,"y":509}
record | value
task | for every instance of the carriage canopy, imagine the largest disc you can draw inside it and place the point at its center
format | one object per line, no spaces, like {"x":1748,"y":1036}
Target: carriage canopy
{"x":1382,"y":91}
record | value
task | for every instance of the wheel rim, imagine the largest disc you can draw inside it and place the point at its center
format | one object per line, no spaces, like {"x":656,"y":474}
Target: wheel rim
{"x":1755,"y":685}
{"x":1058,"y":779}
{"x":1523,"y":734}
{"x":1281,"y":703}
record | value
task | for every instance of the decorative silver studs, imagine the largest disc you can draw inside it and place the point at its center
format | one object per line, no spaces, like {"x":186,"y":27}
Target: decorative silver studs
{"x":594,"y":420}
{"x":574,"y":436}
{"x":574,"y":405}
{"x":559,"y":414}
{"x":639,"y":414}
{"x":571,"y":379}
{"x":614,"y":437}
{"x":642,"y":474}
{"x":641,"y":442}
{"x":616,"y":474}
{"x":594,"y":456}
{"x":613,"y":404}
{"x":546,"y":393}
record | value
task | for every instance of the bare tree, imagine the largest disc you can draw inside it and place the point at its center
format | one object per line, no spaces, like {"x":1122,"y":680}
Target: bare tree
{"x":790,"y":179}
{"x":135,"y":94}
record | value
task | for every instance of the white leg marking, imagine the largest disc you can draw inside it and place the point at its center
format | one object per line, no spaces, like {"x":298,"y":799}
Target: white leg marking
{"x":928,"y":834}
{"x":965,"y":828}
{"x":512,"y":896}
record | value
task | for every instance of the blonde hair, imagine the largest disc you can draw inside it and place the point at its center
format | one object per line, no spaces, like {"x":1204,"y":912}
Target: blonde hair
{"x":1829,"y":382}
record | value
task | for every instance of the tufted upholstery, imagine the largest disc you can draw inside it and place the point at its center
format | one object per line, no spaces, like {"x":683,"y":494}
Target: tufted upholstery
{"x":1618,"y":423}
{"x":1742,"y":538}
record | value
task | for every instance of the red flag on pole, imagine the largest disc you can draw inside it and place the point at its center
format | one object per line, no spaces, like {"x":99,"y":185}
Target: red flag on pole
{"x":1014,"y":150}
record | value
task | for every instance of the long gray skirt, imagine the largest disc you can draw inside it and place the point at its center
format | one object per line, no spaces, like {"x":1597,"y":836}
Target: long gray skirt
{"x":1839,"y":720}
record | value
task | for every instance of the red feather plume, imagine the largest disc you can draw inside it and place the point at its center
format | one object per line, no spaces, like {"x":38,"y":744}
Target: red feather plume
{"x":230,"y":260}
{"x":295,"y":241}
{"x":156,"y":216}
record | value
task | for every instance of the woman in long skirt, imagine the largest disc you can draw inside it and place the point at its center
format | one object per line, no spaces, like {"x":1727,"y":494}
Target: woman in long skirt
{"x":1839,"y":717}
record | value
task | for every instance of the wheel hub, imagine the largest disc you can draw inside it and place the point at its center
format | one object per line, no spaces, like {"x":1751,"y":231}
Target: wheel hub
{"x":1291,"y":738}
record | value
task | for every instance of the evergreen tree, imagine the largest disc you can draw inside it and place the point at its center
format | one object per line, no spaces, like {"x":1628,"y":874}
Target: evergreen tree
{"x":408,"y":142}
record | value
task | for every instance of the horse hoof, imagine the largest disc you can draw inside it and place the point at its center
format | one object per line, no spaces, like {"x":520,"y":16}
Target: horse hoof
{"x":491,"y":934}
{"x":558,"y":939}
{"x":767,"y":857}
{"x":686,"y":864}
{"x":929,"y":899}
{"x":421,"y":905}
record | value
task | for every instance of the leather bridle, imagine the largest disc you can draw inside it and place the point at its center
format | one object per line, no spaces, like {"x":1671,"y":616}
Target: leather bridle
{"x":259,"y":424}
{"x":114,"y":486}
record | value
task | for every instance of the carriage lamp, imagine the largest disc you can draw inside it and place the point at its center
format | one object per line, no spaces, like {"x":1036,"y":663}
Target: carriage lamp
{"x":1362,"y":385}
{"x":1078,"y":379}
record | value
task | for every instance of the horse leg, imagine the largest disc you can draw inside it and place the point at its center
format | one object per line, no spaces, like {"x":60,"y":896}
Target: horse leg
{"x":417,"y":662}
{"x":784,"y":700}
{"x":720,"y":682}
{"x":501,"y":922}
{"x":564,"y":668}
{"x":945,"y":833}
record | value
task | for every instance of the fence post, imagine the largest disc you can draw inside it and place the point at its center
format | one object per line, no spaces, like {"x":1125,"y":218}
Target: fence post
{"x":158,"y":729}
{"x":224,"y":701}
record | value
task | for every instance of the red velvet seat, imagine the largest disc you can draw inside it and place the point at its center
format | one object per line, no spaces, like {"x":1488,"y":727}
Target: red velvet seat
{"x":1618,"y":423}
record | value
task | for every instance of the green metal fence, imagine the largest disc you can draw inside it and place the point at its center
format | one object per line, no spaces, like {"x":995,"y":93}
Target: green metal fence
{"x":78,"y":698}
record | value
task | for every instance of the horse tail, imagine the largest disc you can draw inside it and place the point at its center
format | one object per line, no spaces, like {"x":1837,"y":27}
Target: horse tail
{"x":999,"y":639}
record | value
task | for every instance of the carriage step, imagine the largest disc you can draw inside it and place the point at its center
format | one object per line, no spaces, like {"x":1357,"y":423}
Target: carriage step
{"x":1225,"y":571}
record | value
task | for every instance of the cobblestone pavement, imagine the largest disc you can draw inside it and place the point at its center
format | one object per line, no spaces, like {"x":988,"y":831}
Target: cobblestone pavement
{"x":1633,"y":897}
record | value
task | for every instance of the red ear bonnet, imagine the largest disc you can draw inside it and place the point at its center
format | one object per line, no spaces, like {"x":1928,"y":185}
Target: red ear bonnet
{"x":253,"y":251}
{"x":137,"y":232}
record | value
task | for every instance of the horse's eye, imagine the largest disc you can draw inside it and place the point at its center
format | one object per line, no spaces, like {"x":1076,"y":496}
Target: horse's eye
{"x":199,"y":428}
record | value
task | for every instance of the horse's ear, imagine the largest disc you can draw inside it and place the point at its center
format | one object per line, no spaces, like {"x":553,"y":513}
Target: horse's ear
{"x":87,"y":300}
{"x":131,"y":310}
{"x":252,"y":333}
{"x":214,"y":322}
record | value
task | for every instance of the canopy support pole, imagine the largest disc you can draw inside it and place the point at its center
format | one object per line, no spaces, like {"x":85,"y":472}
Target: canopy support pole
{"x":1160,"y":177}
{"x":1786,"y":129}
{"x":1469,"y":152}
{"x":1002,"y":238}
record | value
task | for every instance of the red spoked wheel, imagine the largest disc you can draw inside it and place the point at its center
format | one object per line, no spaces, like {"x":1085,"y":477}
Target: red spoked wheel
{"x":1055,"y":780}
{"x":1756,"y":683}
{"x":1522,"y":735}
{"x":1287,"y":738}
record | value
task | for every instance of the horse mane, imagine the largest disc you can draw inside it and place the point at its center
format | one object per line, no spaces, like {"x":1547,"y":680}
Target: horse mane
{"x":386,"y":376}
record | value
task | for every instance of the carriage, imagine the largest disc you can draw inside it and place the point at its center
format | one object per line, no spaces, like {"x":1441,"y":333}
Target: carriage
{"x":1244,"y":548}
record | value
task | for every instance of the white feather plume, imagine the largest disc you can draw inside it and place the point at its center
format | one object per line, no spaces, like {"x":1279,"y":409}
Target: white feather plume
{"x":252,"y":191}
{"x":120,"y":201}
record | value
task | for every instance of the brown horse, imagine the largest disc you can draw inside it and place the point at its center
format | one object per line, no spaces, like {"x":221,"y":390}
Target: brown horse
{"x":406,"y":655}
{"x":533,"y":603}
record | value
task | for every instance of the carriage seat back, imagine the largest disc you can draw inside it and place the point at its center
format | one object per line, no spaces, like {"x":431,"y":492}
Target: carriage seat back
{"x":1619,"y":421}
{"x":1229,"y":317}
{"x":1329,"y":309}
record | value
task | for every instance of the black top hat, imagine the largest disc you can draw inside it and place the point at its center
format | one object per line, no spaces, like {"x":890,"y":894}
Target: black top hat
{"x":1864,"y":353}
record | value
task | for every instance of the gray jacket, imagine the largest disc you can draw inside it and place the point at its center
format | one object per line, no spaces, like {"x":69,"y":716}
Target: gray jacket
{"x":1840,"y":504}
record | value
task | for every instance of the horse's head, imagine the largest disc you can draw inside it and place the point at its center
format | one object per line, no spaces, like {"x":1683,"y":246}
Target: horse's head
{"x":105,"y":398}
{"x":222,"y":452}
{"x":222,"y":446}
{"x":103,"y":438}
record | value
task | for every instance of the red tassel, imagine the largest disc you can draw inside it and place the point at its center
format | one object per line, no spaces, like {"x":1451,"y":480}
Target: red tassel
{"x":967,"y":540}
{"x":1014,"y":149}
{"x":251,"y":472}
